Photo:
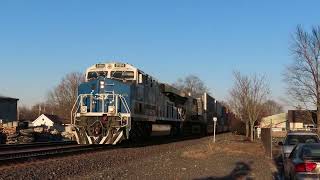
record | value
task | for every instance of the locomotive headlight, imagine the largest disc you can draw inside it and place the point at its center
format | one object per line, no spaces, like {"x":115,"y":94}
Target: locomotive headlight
{"x":111,"y":109}
{"x":101,"y":84}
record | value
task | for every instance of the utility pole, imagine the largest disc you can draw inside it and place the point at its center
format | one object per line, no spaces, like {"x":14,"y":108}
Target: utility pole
{"x":39,"y":110}
{"x":271,"y":138}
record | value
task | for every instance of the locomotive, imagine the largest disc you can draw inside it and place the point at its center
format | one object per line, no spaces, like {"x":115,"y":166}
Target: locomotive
{"x":120,"y":102}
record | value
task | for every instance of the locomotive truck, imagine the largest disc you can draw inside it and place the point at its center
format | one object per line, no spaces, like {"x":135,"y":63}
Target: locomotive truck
{"x":120,"y":102}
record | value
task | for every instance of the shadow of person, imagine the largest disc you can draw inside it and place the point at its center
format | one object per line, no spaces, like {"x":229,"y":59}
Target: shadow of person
{"x":241,"y":171}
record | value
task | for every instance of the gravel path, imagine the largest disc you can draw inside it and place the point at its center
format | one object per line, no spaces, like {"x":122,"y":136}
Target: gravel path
{"x":229,"y":158}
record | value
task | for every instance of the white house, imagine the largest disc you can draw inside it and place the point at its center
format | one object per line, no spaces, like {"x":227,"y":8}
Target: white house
{"x":50,"y":121}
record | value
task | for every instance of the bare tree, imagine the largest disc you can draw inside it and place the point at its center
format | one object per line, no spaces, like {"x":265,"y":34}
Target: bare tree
{"x":302,"y":76}
{"x":247,"y":98}
{"x":26,"y":113}
{"x":31,"y":113}
{"x":191,"y":84}
{"x":238,"y":94}
{"x":271,"y":107}
{"x":63,"y":96}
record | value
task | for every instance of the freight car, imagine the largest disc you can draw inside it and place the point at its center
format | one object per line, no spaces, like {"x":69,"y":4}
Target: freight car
{"x":118,"y":102}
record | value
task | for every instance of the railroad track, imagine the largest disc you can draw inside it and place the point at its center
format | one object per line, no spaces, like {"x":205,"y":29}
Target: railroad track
{"x":23,"y":152}
{"x":16,"y":153}
{"x":33,"y":145}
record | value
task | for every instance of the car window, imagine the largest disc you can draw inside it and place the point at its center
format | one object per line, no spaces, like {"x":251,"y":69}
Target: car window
{"x":294,"y":152}
{"x":296,"y":139}
{"x":310,"y":152}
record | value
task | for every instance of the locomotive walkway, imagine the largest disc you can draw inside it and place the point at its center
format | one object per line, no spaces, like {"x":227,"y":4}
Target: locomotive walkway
{"x":230,"y":158}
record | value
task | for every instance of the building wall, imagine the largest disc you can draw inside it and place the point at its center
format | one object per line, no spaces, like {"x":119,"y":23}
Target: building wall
{"x":296,"y":125}
{"x":8,"y":109}
{"x":302,"y":116}
{"x":278,"y":121}
{"x":294,"y":119}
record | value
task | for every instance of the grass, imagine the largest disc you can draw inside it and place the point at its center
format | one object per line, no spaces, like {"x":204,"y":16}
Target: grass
{"x":232,"y":145}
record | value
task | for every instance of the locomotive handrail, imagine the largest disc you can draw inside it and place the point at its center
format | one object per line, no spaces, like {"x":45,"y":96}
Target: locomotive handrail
{"x":115,"y":98}
{"x":73,"y":108}
{"x":125,"y":104}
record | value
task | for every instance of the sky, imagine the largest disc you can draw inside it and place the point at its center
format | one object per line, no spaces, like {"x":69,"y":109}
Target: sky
{"x":41,"y":41}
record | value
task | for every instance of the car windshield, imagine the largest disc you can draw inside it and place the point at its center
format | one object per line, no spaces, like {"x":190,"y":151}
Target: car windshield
{"x":312,"y":151}
{"x":296,"y":139}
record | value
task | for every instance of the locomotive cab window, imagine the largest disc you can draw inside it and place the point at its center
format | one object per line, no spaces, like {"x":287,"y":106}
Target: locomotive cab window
{"x":140,"y":78}
{"x":146,"y":78}
{"x":103,"y":73}
{"x":94,"y":74}
{"x":122,"y":74}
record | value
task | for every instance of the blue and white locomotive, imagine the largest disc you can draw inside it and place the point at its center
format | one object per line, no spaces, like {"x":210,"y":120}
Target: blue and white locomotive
{"x":120,"y":102}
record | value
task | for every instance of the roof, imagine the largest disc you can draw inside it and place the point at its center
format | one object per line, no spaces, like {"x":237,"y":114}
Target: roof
{"x":8,"y":98}
{"x":54,"y":118}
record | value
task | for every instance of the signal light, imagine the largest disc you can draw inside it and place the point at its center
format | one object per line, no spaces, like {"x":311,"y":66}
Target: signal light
{"x":305,"y":167}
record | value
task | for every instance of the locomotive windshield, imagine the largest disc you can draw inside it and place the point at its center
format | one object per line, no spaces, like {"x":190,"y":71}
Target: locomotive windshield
{"x":94,"y":74}
{"x":122,"y":74}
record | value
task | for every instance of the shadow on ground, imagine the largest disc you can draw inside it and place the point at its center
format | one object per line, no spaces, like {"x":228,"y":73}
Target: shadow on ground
{"x":241,"y":171}
{"x":158,"y":140}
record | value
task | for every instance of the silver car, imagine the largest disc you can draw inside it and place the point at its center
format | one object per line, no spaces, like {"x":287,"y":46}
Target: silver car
{"x":294,"y":138}
{"x":303,"y":162}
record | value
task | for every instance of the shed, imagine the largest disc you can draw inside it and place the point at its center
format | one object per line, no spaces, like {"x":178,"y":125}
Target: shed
{"x":8,"y":109}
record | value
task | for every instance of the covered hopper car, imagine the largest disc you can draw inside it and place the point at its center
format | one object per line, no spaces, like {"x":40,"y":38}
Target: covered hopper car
{"x":119,"y":102}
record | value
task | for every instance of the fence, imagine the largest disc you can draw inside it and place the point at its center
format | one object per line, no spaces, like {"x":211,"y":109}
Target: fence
{"x":266,"y":139}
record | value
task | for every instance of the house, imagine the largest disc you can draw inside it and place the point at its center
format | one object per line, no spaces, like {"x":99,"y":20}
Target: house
{"x":8,"y":109}
{"x":277,"y":121}
{"x":50,"y":121}
{"x":294,"y":119}
{"x":302,"y":118}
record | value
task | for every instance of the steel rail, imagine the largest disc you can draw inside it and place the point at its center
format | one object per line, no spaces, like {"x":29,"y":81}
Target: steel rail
{"x":34,"y":145}
{"x":23,"y":155}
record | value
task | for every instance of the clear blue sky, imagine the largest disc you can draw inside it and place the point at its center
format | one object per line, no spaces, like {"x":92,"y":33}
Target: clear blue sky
{"x":41,"y":41}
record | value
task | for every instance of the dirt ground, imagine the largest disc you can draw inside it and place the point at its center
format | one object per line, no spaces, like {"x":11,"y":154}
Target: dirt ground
{"x":231,"y":157}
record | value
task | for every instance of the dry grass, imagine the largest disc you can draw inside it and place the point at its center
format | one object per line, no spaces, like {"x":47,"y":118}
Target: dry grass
{"x":233,"y":146}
